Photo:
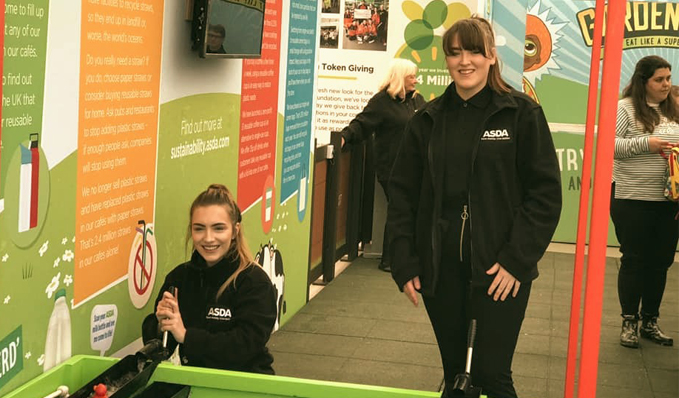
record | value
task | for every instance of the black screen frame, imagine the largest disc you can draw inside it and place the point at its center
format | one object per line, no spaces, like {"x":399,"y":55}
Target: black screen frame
{"x":199,"y":32}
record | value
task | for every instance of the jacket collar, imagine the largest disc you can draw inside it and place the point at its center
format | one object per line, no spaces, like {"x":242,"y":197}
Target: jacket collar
{"x":479,"y":100}
{"x":497,"y":101}
{"x":216,"y":273}
{"x":409,"y":96}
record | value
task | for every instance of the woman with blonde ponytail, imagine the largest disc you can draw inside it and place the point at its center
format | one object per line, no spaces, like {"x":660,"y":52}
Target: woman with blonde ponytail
{"x":224,"y":307}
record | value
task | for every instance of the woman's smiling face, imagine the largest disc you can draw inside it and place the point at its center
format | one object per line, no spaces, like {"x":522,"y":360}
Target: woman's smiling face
{"x":469,"y":69}
{"x":212,"y":232}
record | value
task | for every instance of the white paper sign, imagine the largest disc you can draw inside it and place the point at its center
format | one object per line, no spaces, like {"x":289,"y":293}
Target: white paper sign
{"x":102,"y":327}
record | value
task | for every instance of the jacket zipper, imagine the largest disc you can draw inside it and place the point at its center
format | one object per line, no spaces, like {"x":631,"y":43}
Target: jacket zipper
{"x":469,"y":197}
{"x":430,"y":157}
{"x":471,"y":241}
{"x":464,"y":217}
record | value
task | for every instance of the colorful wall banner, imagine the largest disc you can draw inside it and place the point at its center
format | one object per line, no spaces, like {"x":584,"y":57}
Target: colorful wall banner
{"x":258,"y":121}
{"x":556,"y":74}
{"x":23,"y":195}
{"x":11,"y":356}
{"x":357,"y":43}
{"x":94,"y":210}
{"x":299,"y":98}
{"x":119,"y":84}
{"x":647,"y":24}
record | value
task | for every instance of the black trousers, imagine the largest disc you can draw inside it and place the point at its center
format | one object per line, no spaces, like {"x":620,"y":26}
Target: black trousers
{"x":385,"y":241}
{"x":498,"y":327}
{"x":647,"y":232}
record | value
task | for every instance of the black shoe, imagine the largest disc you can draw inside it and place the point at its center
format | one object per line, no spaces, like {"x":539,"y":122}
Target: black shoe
{"x":629,"y":335}
{"x":651,"y":331}
{"x":384,"y":267}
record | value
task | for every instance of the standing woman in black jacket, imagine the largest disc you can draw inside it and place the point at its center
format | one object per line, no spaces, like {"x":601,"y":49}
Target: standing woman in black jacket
{"x":386,"y":115}
{"x":224,"y":308}
{"x":475,"y":199}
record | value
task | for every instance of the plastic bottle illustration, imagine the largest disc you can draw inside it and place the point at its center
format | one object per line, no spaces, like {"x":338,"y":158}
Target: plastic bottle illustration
{"x":35,"y":178}
{"x":28,"y":185}
{"x":58,"y":343}
{"x":268,"y":199}
{"x":25,"y":190}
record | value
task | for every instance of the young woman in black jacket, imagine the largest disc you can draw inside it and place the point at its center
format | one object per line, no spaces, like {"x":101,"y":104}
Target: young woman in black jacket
{"x":224,"y":308}
{"x":386,"y":115}
{"x":475,"y":199}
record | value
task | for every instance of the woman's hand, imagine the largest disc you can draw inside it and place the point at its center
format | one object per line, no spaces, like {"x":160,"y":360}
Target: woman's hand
{"x":503,"y":284}
{"x":410,"y":289}
{"x":169,"y":317}
{"x":656,"y":144}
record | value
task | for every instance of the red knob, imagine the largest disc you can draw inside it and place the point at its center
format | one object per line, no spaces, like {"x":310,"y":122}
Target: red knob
{"x":100,"y":391}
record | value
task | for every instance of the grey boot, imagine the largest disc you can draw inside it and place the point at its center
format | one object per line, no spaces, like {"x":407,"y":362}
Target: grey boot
{"x":629,"y":335}
{"x":651,"y":331}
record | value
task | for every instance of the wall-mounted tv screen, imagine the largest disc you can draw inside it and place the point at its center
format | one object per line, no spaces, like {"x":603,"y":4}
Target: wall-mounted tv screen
{"x":228,"y":28}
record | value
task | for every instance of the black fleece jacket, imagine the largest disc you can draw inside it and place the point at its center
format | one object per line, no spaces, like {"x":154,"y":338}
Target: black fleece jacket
{"x":387,"y":118}
{"x":229,"y":333}
{"x":514,"y":192}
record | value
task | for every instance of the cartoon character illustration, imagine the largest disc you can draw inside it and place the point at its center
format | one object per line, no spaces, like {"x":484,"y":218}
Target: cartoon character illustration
{"x":540,"y":43}
{"x":272,"y":262}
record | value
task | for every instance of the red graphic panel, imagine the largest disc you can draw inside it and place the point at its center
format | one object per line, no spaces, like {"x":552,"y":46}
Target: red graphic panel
{"x":259,"y":109}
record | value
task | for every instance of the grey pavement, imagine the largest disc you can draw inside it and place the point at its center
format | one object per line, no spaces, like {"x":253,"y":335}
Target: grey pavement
{"x":361,"y":329}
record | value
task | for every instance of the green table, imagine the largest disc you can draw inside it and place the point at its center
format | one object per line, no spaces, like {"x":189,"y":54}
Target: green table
{"x":207,"y":383}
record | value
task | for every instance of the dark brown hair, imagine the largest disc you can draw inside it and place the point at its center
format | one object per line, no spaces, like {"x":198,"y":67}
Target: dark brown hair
{"x":219,"y":195}
{"x":476,"y":34}
{"x":636,"y":90}
{"x":218,"y":28}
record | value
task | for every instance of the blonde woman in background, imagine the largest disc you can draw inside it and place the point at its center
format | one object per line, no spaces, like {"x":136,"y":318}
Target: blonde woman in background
{"x":386,"y":116}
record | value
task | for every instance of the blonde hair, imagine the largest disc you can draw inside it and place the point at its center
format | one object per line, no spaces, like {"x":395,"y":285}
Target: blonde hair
{"x":394,"y":80}
{"x":217,"y":194}
{"x":476,"y":34}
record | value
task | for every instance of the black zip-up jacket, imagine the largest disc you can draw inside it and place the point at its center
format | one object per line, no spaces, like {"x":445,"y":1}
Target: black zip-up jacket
{"x":387,"y":117}
{"x":230,"y":333}
{"x":514,"y":192}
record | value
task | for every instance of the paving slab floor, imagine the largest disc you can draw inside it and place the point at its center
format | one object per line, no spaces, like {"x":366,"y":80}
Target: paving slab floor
{"x":361,"y":329}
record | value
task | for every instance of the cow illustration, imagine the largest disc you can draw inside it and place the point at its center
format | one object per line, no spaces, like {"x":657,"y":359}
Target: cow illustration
{"x":272,"y":262}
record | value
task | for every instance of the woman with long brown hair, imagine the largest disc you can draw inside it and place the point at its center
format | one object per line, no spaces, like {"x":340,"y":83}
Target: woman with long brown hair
{"x":224,"y":307}
{"x":645,"y":223}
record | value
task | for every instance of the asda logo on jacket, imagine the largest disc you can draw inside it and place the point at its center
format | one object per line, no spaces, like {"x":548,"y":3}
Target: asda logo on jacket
{"x":218,"y":314}
{"x":496,"y":135}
